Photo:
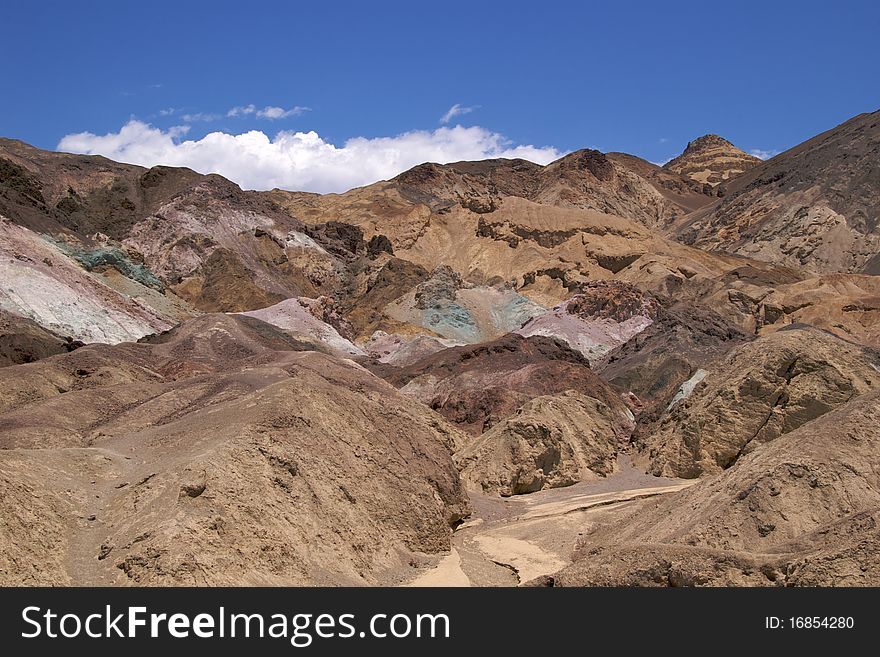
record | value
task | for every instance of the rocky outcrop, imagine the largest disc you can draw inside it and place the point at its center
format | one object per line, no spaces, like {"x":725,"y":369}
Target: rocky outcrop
{"x":44,"y":283}
{"x":623,"y":186}
{"x":447,"y":307}
{"x":760,"y":391}
{"x":550,"y":442}
{"x":402,"y":350}
{"x":197,"y":242}
{"x":802,"y":510}
{"x":847,"y":305}
{"x":612,"y":183}
{"x":711,"y":159}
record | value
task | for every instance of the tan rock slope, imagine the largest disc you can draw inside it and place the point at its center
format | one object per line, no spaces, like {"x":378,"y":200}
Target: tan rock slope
{"x":711,"y":159}
{"x":550,"y":442}
{"x":760,"y":391}
{"x":847,"y":305}
{"x":802,"y":510}
{"x":217,"y":454}
{"x":613,"y":183}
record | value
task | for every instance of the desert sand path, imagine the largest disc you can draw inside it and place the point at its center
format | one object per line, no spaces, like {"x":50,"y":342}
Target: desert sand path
{"x":510,"y":541}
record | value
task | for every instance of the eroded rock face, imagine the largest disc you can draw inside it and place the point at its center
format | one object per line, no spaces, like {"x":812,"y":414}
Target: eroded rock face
{"x":365,"y":309}
{"x":223,"y":452}
{"x":847,"y":305}
{"x":176,"y":241}
{"x":447,"y":307}
{"x":615,"y":183}
{"x":622,"y":185}
{"x":45,"y":284}
{"x":550,"y":442}
{"x":760,"y":391}
{"x":802,"y":510}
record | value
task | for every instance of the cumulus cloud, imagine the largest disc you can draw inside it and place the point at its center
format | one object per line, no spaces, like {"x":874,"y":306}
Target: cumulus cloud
{"x":456,"y":110}
{"x":762,"y":154}
{"x":300,"y":160}
{"x":269,"y":112}
{"x":168,"y":111}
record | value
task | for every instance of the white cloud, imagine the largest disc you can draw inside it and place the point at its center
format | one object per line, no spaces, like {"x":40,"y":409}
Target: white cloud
{"x":168,"y":111}
{"x":269,"y":112}
{"x":177,"y":131}
{"x":762,"y":154}
{"x":200,"y":116}
{"x":300,"y":160}
{"x":242,"y":110}
{"x":273,"y":113}
{"x":456,"y":110}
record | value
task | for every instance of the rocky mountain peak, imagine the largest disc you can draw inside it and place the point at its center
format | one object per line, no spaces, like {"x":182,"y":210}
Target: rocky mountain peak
{"x":708,"y":141}
{"x":711,"y":159}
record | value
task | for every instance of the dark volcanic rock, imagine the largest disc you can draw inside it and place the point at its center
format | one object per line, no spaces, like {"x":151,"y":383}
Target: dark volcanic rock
{"x":379,"y":244}
{"x":394,"y":279}
{"x":614,"y":300}
{"x":477,"y":386}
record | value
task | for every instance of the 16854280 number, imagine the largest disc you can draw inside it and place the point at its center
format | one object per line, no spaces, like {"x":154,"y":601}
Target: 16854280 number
{"x":821,"y":622}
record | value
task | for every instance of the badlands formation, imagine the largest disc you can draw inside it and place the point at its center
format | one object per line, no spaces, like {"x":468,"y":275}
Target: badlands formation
{"x":595,"y":372}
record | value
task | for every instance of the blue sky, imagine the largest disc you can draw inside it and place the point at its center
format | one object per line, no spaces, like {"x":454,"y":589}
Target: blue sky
{"x":640,"y":77}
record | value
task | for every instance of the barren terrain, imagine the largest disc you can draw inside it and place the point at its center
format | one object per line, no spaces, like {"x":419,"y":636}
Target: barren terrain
{"x":495,"y":373}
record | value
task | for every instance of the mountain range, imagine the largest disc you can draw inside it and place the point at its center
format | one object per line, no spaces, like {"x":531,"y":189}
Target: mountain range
{"x":596,"y":372}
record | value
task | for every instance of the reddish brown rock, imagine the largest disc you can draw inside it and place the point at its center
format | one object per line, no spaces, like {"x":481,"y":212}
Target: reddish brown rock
{"x":477,"y":386}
